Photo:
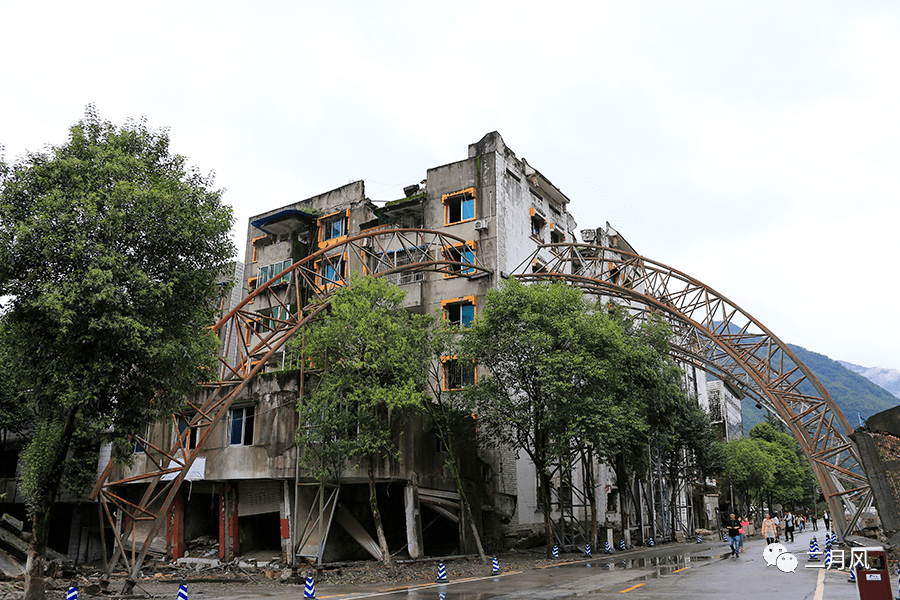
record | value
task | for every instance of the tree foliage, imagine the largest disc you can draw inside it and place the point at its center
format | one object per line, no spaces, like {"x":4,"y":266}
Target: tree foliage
{"x":566,"y":376}
{"x":768,"y":468}
{"x":110,"y":246}
{"x":369,"y":354}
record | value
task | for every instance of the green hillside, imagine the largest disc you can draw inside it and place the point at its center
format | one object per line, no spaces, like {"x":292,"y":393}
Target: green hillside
{"x":852,"y":392}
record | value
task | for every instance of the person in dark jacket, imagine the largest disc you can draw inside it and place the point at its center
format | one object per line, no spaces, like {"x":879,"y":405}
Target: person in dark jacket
{"x":734,"y":533}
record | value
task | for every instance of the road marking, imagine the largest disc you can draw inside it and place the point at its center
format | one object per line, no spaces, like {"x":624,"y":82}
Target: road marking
{"x":681,"y":569}
{"x":634,"y":587}
{"x":820,"y":586}
{"x":385,"y":592}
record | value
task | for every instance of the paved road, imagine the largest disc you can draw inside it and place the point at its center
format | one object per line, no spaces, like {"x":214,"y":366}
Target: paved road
{"x":688,"y":571}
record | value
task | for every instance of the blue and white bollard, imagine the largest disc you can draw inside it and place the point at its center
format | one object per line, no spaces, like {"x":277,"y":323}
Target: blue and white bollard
{"x":608,"y":547}
{"x":650,"y":542}
{"x":725,"y":537}
{"x":813,"y":550}
{"x":308,"y":592}
{"x":852,"y":578}
{"x":834,"y":539}
{"x":622,"y":544}
{"x":72,"y":594}
{"x":699,"y":539}
{"x":555,"y":551}
{"x":442,"y":574}
{"x":496,"y":569}
{"x":828,"y":558}
{"x":587,"y":550}
{"x":182,"y":591}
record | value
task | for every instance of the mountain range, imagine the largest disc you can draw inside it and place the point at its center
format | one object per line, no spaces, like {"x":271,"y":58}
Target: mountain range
{"x":856,"y":390}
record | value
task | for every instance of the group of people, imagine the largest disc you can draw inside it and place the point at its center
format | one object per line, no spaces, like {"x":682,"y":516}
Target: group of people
{"x":772,"y":526}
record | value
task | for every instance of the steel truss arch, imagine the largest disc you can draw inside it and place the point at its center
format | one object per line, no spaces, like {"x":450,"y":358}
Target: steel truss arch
{"x":251,"y":339}
{"x":715,"y":334}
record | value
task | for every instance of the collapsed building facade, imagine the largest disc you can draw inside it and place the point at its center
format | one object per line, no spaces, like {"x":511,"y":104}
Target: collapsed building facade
{"x":246,"y":489}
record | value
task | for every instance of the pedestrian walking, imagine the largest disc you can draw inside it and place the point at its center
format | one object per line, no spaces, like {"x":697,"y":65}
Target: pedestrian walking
{"x":745,"y":528}
{"x":768,"y":529}
{"x":825,"y":518}
{"x":788,"y":527}
{"x":815,"y":520}
{"x":801,"y":523}
{"x":734,"y":534}
{"x":777,"y":527}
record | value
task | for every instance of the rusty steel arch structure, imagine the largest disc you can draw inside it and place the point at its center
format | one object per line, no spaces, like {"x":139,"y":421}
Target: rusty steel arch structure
{"x":248,"y":343}
{"x":710,"y":332}
{"x":718,"y":336}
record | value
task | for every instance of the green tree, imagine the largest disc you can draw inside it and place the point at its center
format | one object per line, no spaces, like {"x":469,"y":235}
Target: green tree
{"x":450,"y":414}
{"x":794,"y":482}
{"x":371,"y":356}
{"x":550,"y":362}
{"x":109,"y":250}
{"x":749,"y":471}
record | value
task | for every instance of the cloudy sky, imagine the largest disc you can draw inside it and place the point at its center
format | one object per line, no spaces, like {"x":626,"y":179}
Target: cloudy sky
{"x":752,"y":145}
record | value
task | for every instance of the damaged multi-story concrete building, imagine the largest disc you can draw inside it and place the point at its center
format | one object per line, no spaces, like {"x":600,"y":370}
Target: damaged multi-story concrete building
{"x":246,"y":490}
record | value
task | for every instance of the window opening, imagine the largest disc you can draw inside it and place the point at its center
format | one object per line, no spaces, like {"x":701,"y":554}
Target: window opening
{"x":538,"y":222}
{"x":332,"y":227}
{"x":269,"y":271}
{"x":460,"y":312}
{"x":459,"y":206}
{"x":331,"y":272}
{"x":189,"y":440}
{"x":458,"y":374}
{"x":461,"y":253}
{"x":242,"y":426}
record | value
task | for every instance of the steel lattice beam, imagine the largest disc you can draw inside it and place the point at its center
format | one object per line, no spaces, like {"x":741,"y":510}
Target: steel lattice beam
{"x":715,"y":334}
{"x":710,"y":331}
{"x":292,"y":299}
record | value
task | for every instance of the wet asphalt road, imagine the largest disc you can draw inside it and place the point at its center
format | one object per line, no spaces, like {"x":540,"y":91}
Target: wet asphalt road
{"x":687,"y":571}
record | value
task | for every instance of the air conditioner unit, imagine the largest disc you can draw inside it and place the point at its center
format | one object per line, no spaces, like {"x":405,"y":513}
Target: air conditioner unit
{"x":481,"y":224}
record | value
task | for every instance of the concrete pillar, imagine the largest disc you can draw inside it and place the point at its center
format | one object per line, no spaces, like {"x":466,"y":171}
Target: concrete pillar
{"x":286,"y":539}
{"x":228,"y":523}
{"x":413,"y":520}
{"x":175,"y":529}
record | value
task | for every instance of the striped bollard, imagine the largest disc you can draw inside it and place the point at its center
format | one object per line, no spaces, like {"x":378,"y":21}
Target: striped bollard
{"x":724,"y":537}
{"x":852,"y":578}
{"x":496,"y":569}
{"x":72,"y":594}
{"x":308,"y":592}
{"x":699,"y":539}
{"x":555,"y":551}
{"x":587,"y":550}
{"x":828,"y":558}
{"x":622,"y":544}
{"x":813,"y":550}
{"x":608,"y":547}
{"x":651,"y":541}
{"x":442,"y":574}
{"x":834,"y":539}
{"x":182,"y":591}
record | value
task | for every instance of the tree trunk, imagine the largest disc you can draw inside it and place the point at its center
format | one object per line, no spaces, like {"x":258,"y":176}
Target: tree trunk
{"x":376,"y":515}
{"x":590,"y":487}
{"x":548,"y":507}
{"x":40,"y":517}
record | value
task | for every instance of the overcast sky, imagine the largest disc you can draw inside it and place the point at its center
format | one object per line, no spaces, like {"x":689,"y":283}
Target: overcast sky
{"x":752,"y":145}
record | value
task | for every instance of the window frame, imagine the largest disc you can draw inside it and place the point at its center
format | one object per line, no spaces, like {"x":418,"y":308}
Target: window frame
{"x":448,"y":362}
{"x":461,"y":301}
{"x":449,"y":199}
{"x":323,"y":283}
{"x":342,"y":217}
{"x":243,"y":441}
{"x":472,"y":248}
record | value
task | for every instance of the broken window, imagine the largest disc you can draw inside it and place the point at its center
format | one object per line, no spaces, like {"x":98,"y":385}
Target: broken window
{"x":332,"y":227}
{"x":460,"y":253}
{"x":187,"y":440}
{"x":538,"y":222}
{"x":460,"y":312}
{"x":556,"y":236}
{"x":269,"y":271}
{"x":330,"y":272}
{"x":242,"y":426}
{"x":459,"y":206}
{"x":458,"y":374}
